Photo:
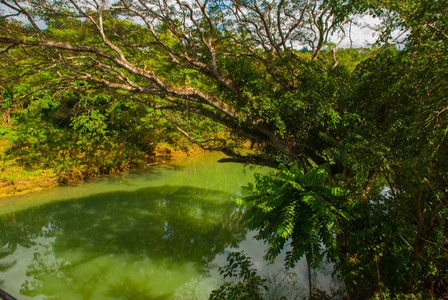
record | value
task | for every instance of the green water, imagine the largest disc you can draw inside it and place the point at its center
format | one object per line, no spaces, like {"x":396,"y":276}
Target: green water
{"x":155,"y":233}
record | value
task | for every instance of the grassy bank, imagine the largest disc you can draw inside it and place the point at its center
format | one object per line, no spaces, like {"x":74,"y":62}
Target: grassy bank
{"x":19,"y":178}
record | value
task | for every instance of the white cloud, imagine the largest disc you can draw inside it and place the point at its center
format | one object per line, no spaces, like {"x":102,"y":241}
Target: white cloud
{"x":360,"y":34}
{"x":365,"y":31}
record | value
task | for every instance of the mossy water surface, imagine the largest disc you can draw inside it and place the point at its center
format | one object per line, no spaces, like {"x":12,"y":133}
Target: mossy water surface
{"x":152,"y":233}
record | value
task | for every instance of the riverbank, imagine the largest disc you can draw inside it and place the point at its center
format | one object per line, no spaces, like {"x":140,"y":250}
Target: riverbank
{"x":135,"y":179}
{"x":16,"y":179}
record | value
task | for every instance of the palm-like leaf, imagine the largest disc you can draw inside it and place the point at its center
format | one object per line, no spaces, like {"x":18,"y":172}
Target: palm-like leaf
{"x":295,"y":207}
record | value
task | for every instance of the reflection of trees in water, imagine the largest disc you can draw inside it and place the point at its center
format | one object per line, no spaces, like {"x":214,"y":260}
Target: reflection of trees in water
{"x":20,"y":229}
{"x":176,"y":225}
{"x":5,"y":251}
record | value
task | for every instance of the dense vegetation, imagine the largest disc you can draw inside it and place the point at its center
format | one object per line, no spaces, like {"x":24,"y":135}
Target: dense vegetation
{"x":49,"y":141}
{"x":358,"y":136}
{"x":79,"y":142}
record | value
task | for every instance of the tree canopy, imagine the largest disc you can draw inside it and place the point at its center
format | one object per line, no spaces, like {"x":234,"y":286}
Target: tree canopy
{"x":225,"y":61}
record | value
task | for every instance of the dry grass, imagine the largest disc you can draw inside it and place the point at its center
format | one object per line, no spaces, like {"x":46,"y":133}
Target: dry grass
{"x":15,"y":179}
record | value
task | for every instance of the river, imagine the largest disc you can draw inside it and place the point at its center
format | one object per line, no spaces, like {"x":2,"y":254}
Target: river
{"x":152,"y":233}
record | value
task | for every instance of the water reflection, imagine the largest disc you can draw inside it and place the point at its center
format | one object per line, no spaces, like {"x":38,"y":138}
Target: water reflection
{"x":140,"y":244}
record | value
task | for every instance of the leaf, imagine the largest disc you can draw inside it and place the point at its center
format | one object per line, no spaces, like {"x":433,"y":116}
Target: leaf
{"x":317,"y":175}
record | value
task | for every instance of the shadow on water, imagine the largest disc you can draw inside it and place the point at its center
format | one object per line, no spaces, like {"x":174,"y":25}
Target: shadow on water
{"x":143,"y":244}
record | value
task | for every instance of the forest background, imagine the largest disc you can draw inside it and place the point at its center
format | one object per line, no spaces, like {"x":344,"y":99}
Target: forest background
{"x":358,"y":136}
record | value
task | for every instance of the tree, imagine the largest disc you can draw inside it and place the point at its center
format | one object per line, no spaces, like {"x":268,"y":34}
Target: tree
{"x":239,"y":57}
{"x":243,"y":65}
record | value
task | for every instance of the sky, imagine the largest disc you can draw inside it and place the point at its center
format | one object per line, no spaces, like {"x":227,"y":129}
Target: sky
{"x":362,"y":35}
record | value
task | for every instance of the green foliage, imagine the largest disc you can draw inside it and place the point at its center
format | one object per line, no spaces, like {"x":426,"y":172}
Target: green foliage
{"x":394,"y":243}
{"x":301,"y":208}
{"x":378,"y":119}
{"x":76,"y":147}
{"x":404,"y":237}
{"x":91,"y":123}
{"x":250,"y":285}
{"x":4,"y":129}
